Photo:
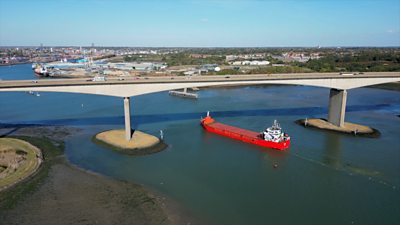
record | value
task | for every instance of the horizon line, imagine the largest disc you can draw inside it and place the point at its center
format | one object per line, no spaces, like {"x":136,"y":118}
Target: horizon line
{"x":115,"y":46}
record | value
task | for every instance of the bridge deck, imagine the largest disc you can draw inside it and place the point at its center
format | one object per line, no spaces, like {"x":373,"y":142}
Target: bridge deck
{"x":184,"y":79}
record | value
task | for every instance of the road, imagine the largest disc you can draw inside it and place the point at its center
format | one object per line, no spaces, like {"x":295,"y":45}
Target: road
{"x":185,"y":79}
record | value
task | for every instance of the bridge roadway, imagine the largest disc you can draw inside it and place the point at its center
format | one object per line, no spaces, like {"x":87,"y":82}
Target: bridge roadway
{"x":132,"y":86}
{"x":52,"y":82}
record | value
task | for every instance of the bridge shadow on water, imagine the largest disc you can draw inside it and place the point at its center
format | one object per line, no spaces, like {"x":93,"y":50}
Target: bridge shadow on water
{"x":155,"y":118}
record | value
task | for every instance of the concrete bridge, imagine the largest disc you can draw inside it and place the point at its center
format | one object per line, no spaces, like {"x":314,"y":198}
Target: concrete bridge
{"x":128,"y":86}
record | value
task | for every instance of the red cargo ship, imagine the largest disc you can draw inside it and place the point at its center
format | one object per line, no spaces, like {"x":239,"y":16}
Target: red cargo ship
{"x":272,"y":137}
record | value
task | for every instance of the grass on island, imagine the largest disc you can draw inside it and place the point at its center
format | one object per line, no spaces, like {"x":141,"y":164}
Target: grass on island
{"x":10,"y":197}
{"x":19,"y":159}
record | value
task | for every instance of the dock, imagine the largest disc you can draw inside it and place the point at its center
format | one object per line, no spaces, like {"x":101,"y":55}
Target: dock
{"x":184,"y":94}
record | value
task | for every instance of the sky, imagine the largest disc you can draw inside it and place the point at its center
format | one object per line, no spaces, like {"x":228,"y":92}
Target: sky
{"x":200,"y":23}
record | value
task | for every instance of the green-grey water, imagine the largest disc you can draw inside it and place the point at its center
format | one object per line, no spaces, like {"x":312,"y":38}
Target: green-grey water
{"x":324,"y":178}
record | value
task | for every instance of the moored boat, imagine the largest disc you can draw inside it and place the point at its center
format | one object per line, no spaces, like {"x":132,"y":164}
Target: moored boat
{"x":272,"y":137}
{"x":41,"y":70}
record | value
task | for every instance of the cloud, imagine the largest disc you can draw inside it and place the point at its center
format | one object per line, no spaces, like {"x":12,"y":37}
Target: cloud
{"x":204,"y":20}
{"x":392,"y":31}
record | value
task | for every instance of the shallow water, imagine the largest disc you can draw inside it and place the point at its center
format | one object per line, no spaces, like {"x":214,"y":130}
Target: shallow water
{"x":324,"y":178}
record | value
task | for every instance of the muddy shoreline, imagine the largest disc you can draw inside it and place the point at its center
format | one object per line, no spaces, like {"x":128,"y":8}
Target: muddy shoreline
{"x":62,"y":193}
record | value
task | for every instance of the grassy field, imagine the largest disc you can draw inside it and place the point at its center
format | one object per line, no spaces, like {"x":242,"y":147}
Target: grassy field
{"x":19,"y":159}
{"x":10,"y":197}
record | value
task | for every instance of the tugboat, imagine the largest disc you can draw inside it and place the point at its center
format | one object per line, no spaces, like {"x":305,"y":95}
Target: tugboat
{"x":272,"y":137}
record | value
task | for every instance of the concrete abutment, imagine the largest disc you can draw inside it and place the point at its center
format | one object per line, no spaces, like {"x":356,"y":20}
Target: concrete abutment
{"x":337,"y":107}
{"x":336,"y":117}
{"x":127,"y":112}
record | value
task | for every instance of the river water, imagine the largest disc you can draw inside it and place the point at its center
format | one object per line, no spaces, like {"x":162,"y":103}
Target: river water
{"x":324,"y":178}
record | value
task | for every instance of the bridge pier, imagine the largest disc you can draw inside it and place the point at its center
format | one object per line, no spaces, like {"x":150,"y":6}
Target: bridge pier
{"x":337,"y":107}
{"x":127,"y":112}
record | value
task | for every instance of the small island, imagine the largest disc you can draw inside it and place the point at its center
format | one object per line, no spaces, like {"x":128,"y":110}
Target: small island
{"x":348,"y":128}
{"x":140,"y":143}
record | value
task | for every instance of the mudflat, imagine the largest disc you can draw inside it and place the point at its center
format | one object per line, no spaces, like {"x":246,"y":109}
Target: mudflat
{"x":60,"y":193}
{"x":73,"y":196}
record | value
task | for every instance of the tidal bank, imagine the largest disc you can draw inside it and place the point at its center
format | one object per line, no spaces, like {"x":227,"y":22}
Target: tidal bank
{"x":60,"y":193}
{"x":10,"y":197}
{"x":71,"y":196}
{"x":140,"y":144}
{"x":348,"y":128}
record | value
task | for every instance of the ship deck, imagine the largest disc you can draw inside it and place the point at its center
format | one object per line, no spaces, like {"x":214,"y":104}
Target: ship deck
{"x":236,"y":130}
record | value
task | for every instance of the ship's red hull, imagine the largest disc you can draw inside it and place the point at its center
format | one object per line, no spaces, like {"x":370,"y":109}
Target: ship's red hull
{"x":41,"y":74}
{"x":248,"y":136}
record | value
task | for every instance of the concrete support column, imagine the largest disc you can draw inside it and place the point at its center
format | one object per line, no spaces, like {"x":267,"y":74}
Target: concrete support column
{"x":127,"y":110}
{"x":337,"y":107}
{"x":185,"y":90}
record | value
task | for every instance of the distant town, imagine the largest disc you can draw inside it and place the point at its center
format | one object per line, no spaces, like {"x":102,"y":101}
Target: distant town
{"x":94,"y":61}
